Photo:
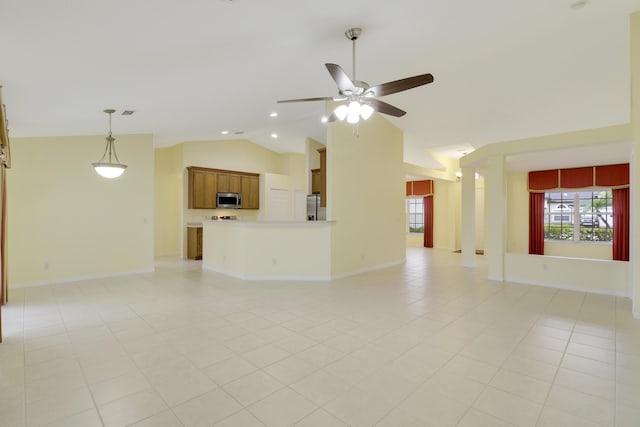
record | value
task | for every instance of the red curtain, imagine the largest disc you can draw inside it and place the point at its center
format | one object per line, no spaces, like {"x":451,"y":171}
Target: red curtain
{"x":576,"y":177}
{"x":420,"y":188}
{"x":612,"y":175}
{"x":536,"y":223}
{"x":544,"y":180}
{"x":428,"y":222}
{"x":621,"y":224}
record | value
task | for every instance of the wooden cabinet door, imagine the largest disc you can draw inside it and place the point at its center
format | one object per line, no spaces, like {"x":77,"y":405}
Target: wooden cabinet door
{"x":202,"y":190}
{"x":223,"y":183}
{"x":250,"y":190}
{"x":210,"y":189}
{"x":196,"y":190}
{"x":235,"y":184}
{"x":194,"y":242}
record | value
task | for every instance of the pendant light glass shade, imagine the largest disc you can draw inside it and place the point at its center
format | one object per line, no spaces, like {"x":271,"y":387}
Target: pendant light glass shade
{"x":106,"y":166}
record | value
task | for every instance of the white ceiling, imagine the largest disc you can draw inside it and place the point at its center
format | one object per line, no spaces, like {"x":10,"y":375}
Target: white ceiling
{"x":503,"y":69}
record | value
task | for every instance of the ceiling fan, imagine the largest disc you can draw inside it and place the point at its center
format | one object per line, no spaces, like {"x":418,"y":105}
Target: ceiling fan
{"x":362,"y":99}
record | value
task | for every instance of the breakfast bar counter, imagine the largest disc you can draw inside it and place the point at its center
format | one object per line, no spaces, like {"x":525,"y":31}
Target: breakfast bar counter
{"x":268,"y":250}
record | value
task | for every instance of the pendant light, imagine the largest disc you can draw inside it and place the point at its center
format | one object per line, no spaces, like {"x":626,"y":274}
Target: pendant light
{"x":109,"y":169}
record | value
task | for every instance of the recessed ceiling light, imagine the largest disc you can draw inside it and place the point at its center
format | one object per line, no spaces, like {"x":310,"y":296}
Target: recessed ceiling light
{"x":273,"y":114}
{"x":225,"y":132}
{"x":324,"y":119}
{"x":274,"y":135}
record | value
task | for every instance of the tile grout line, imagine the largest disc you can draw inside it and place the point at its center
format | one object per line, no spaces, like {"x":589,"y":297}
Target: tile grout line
{"x":564,"y":352}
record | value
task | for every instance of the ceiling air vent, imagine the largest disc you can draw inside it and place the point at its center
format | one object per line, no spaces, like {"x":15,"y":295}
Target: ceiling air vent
{"x":127,"y":112}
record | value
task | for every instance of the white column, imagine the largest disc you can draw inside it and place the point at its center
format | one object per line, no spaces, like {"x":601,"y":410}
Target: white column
{"x":634,"y":256}
{"x":495,"y":203}
{"x":468,"y":216}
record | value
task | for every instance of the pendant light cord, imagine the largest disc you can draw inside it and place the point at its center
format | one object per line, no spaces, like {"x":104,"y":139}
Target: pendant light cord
{"x":110,"y":148}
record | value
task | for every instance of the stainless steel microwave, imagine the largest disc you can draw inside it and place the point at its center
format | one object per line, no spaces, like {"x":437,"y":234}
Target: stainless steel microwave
{"x":229,"y":201}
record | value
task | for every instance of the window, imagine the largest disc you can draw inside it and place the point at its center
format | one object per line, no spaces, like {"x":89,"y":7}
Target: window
{"x":592,"y":220}
{"x":415,"y":215}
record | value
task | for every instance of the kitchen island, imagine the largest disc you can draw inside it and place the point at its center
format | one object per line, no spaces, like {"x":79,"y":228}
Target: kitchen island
{"x":268,"y":250}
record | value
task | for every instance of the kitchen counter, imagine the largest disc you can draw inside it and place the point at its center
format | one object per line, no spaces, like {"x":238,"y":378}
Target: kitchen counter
{"x":268,"y":250}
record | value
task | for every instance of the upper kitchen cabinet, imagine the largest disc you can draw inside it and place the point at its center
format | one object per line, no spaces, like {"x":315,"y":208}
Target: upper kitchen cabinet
{"x":203,"y":186}
{"x":229,"y":182}
{"x":250,"y":191}
{"x":205,"y":183}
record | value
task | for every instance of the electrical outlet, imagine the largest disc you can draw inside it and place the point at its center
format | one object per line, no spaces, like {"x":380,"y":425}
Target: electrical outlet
{"x":46,"y":265}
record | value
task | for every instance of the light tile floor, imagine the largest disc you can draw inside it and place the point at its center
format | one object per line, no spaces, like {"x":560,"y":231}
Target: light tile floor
{"x":427,"y":343}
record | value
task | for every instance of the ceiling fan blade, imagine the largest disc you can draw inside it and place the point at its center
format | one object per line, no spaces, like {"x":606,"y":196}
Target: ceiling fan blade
{"x":400,"y":85}
{"x":383,"y":107}
{"x":340,"y":77}
{"x":324,"y":98}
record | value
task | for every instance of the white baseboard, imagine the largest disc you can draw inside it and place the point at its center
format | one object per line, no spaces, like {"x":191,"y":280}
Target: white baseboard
{"x":306,"y":278}
{"x":369,"y":269}
{"x":167,"y":254}
{"x":496,"y":278}
{"x":568,"y":287}
{"x":75,"y":279}
{"x":267,"y":278}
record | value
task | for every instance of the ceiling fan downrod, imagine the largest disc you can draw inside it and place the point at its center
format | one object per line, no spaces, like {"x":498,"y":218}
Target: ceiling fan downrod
{"x":353,"y":34}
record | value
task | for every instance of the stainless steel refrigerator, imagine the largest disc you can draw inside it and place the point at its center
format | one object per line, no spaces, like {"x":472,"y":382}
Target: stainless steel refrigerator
{"x":314,"y":211}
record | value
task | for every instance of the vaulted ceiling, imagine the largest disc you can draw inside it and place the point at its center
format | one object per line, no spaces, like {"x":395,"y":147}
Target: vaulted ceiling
{"x":503,"y":69}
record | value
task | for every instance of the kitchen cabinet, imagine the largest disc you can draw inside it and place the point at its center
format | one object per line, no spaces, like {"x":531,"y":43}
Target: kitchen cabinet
{"x":229,"y":183}
{"x":315,"y":181}
{"x":323,"y":177}
{"x":202,"y":188}
{"x":250,"y":191}
{"x":205,"y":183}
{"x":194,"y":242}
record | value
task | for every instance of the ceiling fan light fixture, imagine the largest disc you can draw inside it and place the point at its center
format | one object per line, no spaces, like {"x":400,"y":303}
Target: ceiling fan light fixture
{"x":366,"y":111}
{"x":106,"y":167}
{"x":353,"y":115}
{"x":341,"y":112}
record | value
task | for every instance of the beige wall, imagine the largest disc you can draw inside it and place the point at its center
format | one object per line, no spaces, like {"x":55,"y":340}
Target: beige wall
{"x":168,"y":199}
{"x":481,"y":217}
{"x":66,"y":222}
{"x":634,"y":256}
{"x":261,"y":250}
{"x":517,"y":213}
{"x":237,"y":155}
{"x":446,"y":215}
{"x":365,"y":195}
